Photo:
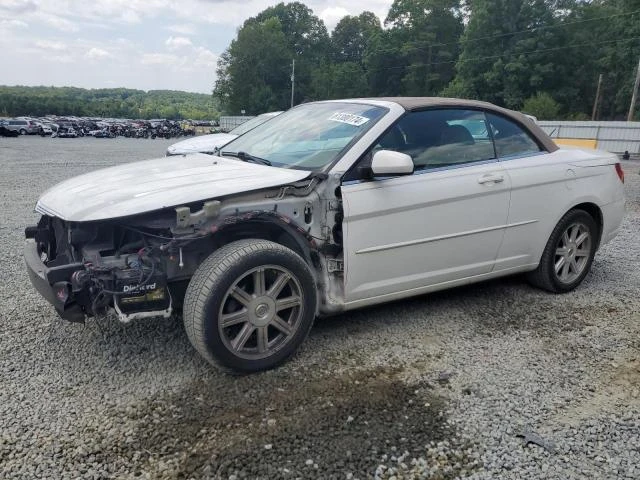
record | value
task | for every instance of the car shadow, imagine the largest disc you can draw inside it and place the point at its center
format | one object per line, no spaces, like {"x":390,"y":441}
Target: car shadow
{"x":502,"y":306}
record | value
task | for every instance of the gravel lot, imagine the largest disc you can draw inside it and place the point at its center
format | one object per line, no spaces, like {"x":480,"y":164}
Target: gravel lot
{"x":436,"y":387}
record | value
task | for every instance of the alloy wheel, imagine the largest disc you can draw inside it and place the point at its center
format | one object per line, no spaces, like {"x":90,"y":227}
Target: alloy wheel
{"x":572,"y":253}
{"x":261,"y":312}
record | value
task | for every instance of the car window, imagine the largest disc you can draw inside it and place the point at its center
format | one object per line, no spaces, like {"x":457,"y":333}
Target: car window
{"x":511,"y":139}
{"x":440,"y":138}
{"x":309,"y":136}
{"x":251,"y":124}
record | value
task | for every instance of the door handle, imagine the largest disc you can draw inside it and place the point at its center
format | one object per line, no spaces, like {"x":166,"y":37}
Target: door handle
{"x":491,"y":178}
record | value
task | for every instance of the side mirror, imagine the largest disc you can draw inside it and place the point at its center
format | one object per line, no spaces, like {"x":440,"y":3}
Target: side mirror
{"x":387,"y":163}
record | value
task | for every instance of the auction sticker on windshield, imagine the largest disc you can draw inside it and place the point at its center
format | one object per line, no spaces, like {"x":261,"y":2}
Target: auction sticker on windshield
{"x":348,"y":118}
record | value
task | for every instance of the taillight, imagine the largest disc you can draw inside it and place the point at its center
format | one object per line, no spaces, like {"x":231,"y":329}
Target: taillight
{"x":620,"y":172}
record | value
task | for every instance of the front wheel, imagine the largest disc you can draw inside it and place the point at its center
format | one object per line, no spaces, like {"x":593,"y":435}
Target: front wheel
{"x":250,"y":305}
{"x":568,"y":255}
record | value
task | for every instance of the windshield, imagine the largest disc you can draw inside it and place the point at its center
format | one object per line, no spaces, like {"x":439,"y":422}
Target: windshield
{"x":251,"y":124}
{"x":307,"y":137}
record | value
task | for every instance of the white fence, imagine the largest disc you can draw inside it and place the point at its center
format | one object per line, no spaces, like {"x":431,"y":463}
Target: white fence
{"x":616,"y":137}
{"x":232,"y":121}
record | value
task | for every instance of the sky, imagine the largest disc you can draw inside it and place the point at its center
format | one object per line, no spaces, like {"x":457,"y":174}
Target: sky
{"x":144,"y":44}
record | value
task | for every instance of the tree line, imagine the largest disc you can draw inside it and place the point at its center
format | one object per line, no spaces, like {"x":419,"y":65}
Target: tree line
{"x":106,"y":102}
{"x":540,"y":56}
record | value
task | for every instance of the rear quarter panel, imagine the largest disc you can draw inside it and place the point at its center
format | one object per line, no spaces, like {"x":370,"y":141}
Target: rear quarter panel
{"x":545,"y":187}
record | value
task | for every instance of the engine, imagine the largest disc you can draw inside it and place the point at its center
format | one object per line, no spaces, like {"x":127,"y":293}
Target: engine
{"x":116,"y":268}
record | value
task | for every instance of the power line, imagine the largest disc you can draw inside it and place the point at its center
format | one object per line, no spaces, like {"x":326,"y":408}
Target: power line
{"x":489,"y":57}
{"x":518,"y":32}
{"x":545,"y":27}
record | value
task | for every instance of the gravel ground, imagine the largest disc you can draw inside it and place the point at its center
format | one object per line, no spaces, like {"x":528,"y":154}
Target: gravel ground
{"x":440,"y":386}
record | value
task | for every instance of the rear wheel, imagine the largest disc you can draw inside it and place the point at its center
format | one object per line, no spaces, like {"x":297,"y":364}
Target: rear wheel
{"x":23,"y":131}
{"x":568,"y":255}
{"x":250,"y":305}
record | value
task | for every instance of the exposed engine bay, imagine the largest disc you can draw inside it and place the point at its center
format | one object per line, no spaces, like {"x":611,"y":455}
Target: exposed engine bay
{"x":139,"y":266}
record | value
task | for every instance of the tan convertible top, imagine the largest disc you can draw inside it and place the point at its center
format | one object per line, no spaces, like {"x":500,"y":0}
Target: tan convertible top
{"x":422,"y":103}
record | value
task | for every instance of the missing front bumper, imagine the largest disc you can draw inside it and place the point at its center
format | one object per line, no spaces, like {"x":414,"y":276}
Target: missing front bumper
{"x":54,"y":283}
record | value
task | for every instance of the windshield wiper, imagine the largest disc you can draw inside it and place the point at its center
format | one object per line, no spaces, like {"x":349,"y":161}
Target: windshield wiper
{"x":247,"y":157}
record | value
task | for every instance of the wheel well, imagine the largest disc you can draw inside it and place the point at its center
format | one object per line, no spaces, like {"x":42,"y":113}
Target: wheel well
{"x":595,"y":212}
{"x":265,"y":230}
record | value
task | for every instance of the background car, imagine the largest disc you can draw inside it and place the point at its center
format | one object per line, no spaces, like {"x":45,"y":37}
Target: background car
{"x":209,"y":143}
{"x":65,"y":130}
{"x":5,"y":131}
{"x":44,"y":128}
{"x":23,"y":127}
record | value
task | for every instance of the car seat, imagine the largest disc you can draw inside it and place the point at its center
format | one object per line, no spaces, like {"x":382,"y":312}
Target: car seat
{"x":456,"y":134}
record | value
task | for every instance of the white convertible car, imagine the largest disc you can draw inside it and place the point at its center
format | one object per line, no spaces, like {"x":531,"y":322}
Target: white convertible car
{"x":328,"y":207}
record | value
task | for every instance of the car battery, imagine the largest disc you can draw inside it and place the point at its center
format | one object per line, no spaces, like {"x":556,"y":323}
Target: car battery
{"x":151,"y":296}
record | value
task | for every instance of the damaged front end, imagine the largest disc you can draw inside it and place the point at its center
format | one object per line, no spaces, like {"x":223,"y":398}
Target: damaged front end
{"x":89,"y":269}
{"x":139,"y":266}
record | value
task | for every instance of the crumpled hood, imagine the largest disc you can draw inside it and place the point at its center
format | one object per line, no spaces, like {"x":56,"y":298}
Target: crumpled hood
{"x":203,"y":143}
{"x":139,"y":187}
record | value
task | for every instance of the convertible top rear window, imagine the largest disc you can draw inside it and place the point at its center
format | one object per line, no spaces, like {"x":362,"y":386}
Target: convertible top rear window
{"x":510,"y":139}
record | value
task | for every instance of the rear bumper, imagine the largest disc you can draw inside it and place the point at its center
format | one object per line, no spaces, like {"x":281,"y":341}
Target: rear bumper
{"x":54,"y":284}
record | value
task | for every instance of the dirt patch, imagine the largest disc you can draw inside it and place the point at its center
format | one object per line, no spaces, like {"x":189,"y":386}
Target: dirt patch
{"x":617,"y":390}
{"x":306,"y":427}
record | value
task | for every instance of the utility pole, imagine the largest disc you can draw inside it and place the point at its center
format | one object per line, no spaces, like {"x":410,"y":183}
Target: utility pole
{"x":293,"y":79}
{"x":634,"y":95}
{"x":594,"y":113}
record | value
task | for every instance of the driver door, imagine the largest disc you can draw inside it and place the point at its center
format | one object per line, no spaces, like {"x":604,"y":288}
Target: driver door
{"x":443,"y":223}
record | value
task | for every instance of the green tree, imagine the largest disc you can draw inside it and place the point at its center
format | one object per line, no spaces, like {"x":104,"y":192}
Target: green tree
{"x":111,"y":102}
{"x":342,"y":73}
{"x":352,"y":36}
{"x":614,"y":31}
{"x":340,"y":80}
{"x":308,"y":41}
{"x":304,"y":32}
{"x":253,"y":73}
{"x":542,"y":106}
{"x":416,"y":56}
{"x":508,"y":51}
{"x":385,"y":65}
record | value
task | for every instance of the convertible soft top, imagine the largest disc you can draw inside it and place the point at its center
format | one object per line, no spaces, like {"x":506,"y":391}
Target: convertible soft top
{"x":420,"y":103}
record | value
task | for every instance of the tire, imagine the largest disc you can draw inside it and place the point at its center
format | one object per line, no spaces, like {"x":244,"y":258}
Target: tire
{"x":256,"y":313}
{"x":575,"y":257}
{"x":23,"y":131}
